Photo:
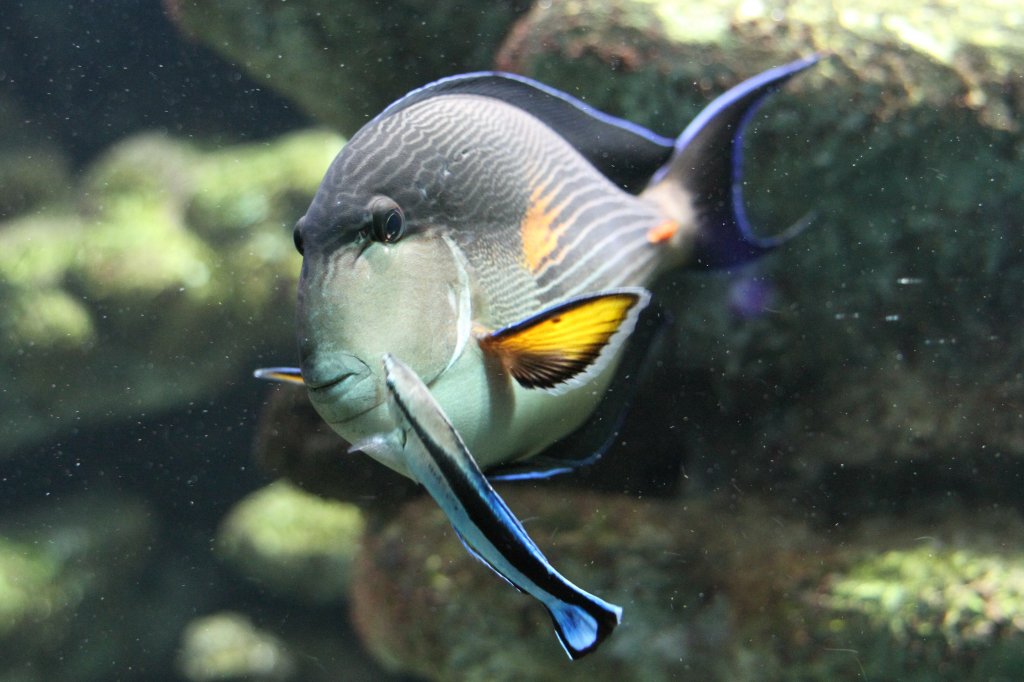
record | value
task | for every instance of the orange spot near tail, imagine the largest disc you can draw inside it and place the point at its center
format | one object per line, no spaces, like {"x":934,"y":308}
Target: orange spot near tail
{"x":662,"y":232}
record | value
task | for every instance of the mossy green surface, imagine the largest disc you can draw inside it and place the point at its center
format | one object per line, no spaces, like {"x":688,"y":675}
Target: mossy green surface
{"x":227,"y":646}
{"x":915,"y":54}
{"x":61,"y":573}
{"x":961,"y":596}
{"x":292,"y":542}
{"x":715,"y":588}
{"x":173,"y":273}
{"x":28,"y":589}
{"x":930,"y":608}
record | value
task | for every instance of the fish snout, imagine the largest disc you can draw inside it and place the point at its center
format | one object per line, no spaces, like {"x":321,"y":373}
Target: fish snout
{"x":341,"y":386}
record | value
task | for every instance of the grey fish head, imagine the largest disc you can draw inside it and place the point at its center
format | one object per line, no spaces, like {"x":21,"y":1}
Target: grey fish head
{"x":378,"y":276}
{"x":363,"y":299}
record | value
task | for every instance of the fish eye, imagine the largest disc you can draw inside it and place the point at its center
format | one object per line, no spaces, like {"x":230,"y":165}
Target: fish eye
{"x":388,"y":221}
{"x":297,"y":238}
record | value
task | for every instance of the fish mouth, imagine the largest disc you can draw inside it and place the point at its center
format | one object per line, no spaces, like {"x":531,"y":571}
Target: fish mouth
{"x":348,"y":368}
{"x":342,"y":388}
{"x":330,"y":383}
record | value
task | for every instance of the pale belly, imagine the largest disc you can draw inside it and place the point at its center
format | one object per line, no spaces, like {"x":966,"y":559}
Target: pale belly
{"x":498,"y":420}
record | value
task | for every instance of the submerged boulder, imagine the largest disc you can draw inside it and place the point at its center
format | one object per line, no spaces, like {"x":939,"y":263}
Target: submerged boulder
{"x":293,"y":543}
{"x":711,"y":589}
{"x":223,"y":647}
{"x":171,"y":274}
{"x":67,"y":573}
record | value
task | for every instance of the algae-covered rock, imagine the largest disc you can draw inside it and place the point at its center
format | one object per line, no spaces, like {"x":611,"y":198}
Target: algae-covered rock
{"x":295,"y":442}
{"x":889,"y":325}
{"x":710,"y":590}
{"x":226,"y":647}
{"x":644,"y":57}
{"x":293,"y":543}
{"x":344,"y":62}
{"x":174,"y":273}
{"x":28,"y":588}
{"x":62,"y":570}
{"x":425,"y":606}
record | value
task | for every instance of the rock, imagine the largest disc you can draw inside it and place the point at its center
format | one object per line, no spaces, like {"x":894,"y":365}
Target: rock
{"x":227,"y":647}
{"x":292,"y":543}
{"x":344,"y":63}
{"x":63,"y":569}
{"x":294,"y":442}
{"x":642,"y":58}
{"x":109,"y":311}
{"x":888,"y":327}
{"x":711,"y":589}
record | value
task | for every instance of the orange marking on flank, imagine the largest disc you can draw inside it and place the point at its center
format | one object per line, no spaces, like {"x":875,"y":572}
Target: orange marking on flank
{"x":539,"y":230}
{"x":662,"y":232}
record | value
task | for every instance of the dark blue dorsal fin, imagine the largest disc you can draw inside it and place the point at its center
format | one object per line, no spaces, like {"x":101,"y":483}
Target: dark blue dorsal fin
{"x":625,"y":153}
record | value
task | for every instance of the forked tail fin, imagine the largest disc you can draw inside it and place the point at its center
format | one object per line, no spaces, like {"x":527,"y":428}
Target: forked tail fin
{"x":581,"y":627}
{"x":701,"y":183}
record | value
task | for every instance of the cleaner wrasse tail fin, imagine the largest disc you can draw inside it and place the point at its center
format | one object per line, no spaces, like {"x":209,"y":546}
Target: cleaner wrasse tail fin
{"x":701,"y":184}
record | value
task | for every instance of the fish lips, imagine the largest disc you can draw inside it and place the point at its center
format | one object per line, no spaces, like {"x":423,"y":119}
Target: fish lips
{"x":341,"y":387}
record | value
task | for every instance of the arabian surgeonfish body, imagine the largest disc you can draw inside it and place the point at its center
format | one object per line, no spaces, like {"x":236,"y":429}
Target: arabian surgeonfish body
{"x":473,"y":264}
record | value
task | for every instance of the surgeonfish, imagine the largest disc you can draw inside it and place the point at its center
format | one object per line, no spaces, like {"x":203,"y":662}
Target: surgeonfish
{"x":474,"y":262}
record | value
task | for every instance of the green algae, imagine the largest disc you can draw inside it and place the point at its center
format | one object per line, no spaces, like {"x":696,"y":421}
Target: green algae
{"x":293,"y":542}
{"x":227,"y":646}
{"x":28,"y":588}
{"x":960,"y":597}
{"x":168,"y":246}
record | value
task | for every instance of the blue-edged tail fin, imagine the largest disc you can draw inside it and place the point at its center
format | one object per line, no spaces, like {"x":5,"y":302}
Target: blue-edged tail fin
{"x":702,"y":182}
{"x":582,"y":626}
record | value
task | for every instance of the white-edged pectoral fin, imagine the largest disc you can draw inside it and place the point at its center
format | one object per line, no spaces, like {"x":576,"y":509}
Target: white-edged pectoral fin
{"x":437,"y":458}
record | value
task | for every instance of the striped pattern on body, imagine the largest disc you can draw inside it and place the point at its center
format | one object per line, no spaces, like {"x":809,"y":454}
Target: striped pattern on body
{"x":537,"y":222}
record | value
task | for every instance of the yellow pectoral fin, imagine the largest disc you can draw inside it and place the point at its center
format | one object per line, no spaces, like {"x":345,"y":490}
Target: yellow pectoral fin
{"x":563,"y":345}
{"x":284,"y":375}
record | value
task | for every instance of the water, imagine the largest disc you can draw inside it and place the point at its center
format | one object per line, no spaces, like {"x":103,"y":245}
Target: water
{"x":819,"y":477}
